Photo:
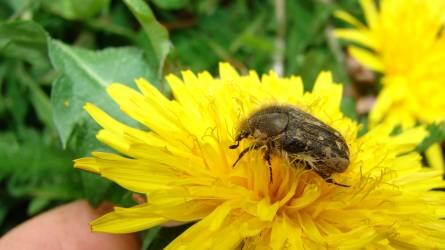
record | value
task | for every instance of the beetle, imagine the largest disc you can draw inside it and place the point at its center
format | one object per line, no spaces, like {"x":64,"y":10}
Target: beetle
{"x":292,"y":133}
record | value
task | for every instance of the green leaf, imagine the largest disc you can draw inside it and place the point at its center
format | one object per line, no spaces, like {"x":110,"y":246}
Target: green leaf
{"x":37,"y":205}
{"x":8,"y":145}
{"x":67,"y":108}
{"x":3,"y":73}
{"x":436,"y":135}
{"x":19,"y":7}
{"x":348,"y":107}
{"x":95,"y":187}
{"x":25,"y":40}
{"x":166,"y":235}
{"x":148,"y":236}
{"x":38,"y":97}
{"x":17,"y":105}
{"x":171,"y":4}
{"x":83,"y":139}
{"x":31,"y":167}
{"x":155,"y":42}
{"x":85,"y":77}
{"x":246,"y":41}
{"x":307,"y":21}
{"x":76,"y":9}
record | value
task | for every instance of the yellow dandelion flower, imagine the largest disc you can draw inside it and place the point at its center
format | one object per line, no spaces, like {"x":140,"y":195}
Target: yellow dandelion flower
{"x":183,"y":165}
{"x":407,"y":45}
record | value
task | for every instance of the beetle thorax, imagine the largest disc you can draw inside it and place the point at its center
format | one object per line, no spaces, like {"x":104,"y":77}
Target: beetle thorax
{"x":258,"y":134}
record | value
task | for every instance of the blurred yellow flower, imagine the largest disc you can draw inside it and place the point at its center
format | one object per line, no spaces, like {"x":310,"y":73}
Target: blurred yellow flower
{"x":184,"y":167}
{"x":407,"y":44}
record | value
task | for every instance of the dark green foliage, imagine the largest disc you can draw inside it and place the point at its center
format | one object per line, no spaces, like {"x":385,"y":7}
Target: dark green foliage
{"x":436,"y":135}
{"x":84,"y":78}
{"x":158,"y":238}
{"x":154,"y":39}
{"x":57,"y":55}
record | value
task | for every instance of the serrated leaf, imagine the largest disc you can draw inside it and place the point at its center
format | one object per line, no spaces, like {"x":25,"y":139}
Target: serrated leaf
{"x":76,"y":9}
{"x":85,"y":77}
{"x":83,"y":139}
{"x":25,"y":40}
{"x":156,"y":42}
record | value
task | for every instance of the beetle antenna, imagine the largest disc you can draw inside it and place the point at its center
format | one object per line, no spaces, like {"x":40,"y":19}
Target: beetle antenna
{"x":241,"y":155}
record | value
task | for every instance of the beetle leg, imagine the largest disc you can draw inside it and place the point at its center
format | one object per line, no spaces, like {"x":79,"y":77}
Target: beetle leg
{"x":327,"y":178}
{"x":252,"y":147}
{"x":266,"y":157}
{"x":330,"y":180}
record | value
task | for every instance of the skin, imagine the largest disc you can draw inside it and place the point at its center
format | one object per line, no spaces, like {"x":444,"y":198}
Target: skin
{"x":66,"y":227}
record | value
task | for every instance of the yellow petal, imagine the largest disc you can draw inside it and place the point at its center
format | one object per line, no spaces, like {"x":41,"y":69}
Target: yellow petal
{"x":370,"y":10}
{"x":227,"y":72}
{"x":342,"y":15}
{"x":88,"y":164}
{"x":329,"y":93}
{"x":366,"y":58}
{"x":362,"y":37}
{"x":435,"y":157}
{"x":124,"y":223}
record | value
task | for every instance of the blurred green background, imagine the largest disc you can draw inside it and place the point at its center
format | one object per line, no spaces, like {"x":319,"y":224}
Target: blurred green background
{"x":57,"y":55}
